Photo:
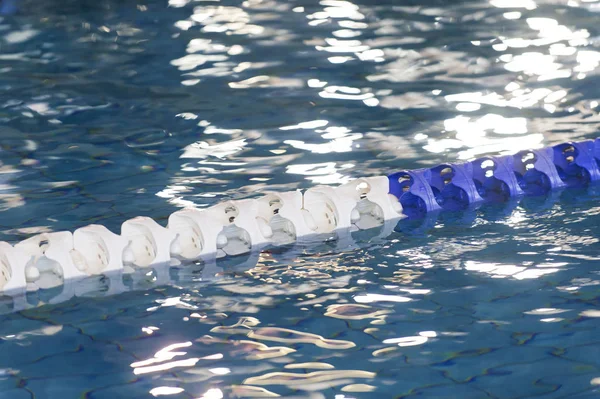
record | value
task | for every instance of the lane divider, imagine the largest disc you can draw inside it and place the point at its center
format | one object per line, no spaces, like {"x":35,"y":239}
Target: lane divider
{"x":321,"y":213}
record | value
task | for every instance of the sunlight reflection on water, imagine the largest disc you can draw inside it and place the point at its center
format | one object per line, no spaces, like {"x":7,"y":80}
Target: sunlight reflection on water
{"x":113,"y":109}
{"x":366,"y":85}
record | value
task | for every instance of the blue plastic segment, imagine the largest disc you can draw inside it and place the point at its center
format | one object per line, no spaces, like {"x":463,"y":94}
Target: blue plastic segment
{"x":536,"y":172}
{"x":597,"y":151}
{"x":413,"y":190}
{"x":453,"y":186}
{"x":575,"y":162}
{"x":495,"y":178}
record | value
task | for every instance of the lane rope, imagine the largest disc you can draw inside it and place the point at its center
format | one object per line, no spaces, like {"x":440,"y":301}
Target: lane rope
{"x":321,"y":213}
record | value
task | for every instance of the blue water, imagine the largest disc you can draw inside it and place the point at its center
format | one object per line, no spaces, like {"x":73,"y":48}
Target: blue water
{"x":112,"y":109}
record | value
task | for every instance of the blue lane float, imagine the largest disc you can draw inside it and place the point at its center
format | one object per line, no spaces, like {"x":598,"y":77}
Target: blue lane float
{"x":454,"y":187}
{"x":340,"y":217}
{"x":413,"y":190}
{"x":532,"y":172}
{"x":495,"y":179}
{"x":576,"y":163}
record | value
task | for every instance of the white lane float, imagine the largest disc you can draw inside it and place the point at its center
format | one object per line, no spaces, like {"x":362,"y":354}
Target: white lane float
{"x":228,"y":229}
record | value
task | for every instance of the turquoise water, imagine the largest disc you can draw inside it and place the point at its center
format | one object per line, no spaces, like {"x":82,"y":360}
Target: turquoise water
{"x":113,"y":109}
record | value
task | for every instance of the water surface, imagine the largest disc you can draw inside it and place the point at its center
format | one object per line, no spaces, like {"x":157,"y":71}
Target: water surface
{"x":113,"y":109}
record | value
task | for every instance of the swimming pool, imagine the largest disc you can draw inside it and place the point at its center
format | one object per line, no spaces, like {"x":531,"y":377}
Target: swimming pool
{"x":116,"y":109}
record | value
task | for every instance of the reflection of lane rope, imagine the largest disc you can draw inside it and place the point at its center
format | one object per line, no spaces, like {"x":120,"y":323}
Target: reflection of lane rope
{"x":247,"y":226}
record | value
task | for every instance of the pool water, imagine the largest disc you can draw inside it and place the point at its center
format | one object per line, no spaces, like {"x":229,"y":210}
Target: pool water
{"x":113,"y":109}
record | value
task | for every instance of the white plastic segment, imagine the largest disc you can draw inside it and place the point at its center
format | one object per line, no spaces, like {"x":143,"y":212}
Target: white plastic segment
{"x":232,"y":240}
{"x":358,"y":205}
{"x":273,"y":226}
{"x":60,"y":250}
{"x":189,"y":242}
{"x":282,"y":213}
{"x":204,"y":233}
{"x":149,"y":242}
{"x":320,"y":210}
{"x":379,"y":193}
{"x":251,"y":217}
{"x":97,"y":250}
{"x":12,"y":275}
{"x":50,"y":260}
{"x":327,"y":209}
{"x":12,"y":269}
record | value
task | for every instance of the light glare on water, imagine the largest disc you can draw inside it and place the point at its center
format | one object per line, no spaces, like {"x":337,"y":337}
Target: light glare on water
{"x":114,"y":109}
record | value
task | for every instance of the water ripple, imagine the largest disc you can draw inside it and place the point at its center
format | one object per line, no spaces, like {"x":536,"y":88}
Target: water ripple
{"x":115,"y":109}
